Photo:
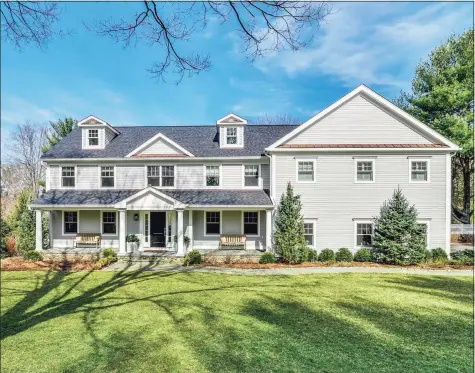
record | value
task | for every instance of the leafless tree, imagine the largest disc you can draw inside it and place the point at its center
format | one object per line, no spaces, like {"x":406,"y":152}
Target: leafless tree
{"x":24,"y":150}
{"x":27,"y":22}
{"x":278,"y":119}
{"x":265,"y":27}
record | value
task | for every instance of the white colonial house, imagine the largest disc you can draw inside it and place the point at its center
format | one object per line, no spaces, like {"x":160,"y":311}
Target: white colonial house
{"x":165,"y":183}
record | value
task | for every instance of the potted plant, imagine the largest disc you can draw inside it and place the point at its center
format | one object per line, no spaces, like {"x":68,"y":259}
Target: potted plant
{"x":186,"y":240}
{"x":132,"y":243}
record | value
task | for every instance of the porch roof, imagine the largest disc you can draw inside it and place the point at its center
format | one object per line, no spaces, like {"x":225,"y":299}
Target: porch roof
{"x":189,"y":197}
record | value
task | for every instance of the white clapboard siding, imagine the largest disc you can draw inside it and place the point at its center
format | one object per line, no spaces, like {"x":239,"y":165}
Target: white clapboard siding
{"x":232,"y":176}
{"x":265,"y":170}
{"x":130,"y":177}
{"x":358,"y":122}
{"x":88,"y":177}
{"x":189,"y":176}
{"x":54,"y":175}
{"x":335,"y":199}
{"x":160,"y":147}
{"x":109,"y":135}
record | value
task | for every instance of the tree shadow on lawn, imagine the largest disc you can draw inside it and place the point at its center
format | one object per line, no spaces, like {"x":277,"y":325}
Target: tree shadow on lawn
{"x":454,"y":288}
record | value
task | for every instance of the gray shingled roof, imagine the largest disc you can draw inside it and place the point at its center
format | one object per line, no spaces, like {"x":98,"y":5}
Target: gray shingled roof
{"x":186,"y":196}
{"x":201,"y":141}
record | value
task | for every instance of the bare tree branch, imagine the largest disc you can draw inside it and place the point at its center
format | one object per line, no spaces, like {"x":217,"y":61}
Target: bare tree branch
{"x":278,"y":119}
{"x":27,"y":22}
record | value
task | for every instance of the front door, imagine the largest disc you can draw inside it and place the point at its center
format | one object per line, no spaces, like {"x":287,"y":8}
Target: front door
{"x":158,"y":221}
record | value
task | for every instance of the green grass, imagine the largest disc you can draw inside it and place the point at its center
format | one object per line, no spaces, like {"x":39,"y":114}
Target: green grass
{"x":197,"y":322}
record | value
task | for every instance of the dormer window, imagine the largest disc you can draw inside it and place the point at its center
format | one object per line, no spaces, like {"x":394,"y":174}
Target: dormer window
{"x":231,"y":136}
{"x":93,"y":137}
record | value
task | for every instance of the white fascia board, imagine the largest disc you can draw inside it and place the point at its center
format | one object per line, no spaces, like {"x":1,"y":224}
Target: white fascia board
{"x":102,"y":122}
{"x":353,"y":150}
{"x":130,"y":159}
{"x":56,"y":207}
{"x":221,"y":120}
{"x":220,"y":207}
{"x":380,"y":100}
{"x":158,"y":136}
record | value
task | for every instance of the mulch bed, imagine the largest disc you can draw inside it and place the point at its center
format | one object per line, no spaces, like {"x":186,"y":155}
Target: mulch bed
{"x":19,"y":264}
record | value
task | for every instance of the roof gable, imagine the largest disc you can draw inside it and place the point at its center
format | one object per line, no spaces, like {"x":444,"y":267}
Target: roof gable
{"x":159,"y":146}
{"x":92,"y":120}
{"x":362,"y":117}
{"x":231,"y":119}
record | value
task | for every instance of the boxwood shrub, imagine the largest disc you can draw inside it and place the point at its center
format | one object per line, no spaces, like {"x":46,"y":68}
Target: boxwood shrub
{"x":193,"y":257}
{"x":32,"y":255}
{"x":438,"y":254}
{"x":267,"y":258}
{"x":363,"y":255}
{"x":312,"y":255}
{"x":326,"y":255}
{"x":465,"y":255}
{"x":344,"y":255}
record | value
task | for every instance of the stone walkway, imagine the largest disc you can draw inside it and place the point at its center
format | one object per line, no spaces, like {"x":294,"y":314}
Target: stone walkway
{"x":146,"y":266}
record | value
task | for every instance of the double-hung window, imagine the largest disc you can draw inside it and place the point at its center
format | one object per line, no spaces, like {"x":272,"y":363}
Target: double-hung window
{"x":309,"y":229}
{"x":168,"y":176}
{"x":419,"y":171}
{"x":68,"y":179}
{"x":109,"y":222}
{"x":251,"y":175}
{"x":70,"y":219}
{"x":251,"y":223}
{"x":306,"y":171}
{"x":365,"y":171}
{"x":213,"y":222}
{"x":93,"y":137}
{"x":231,"y":136}
{"x":107,"y":176}
{"x":212,"y":176}
{"x":364,"y":234}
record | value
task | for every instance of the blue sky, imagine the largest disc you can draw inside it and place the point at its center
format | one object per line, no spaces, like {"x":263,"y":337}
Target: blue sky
{"x":378,"y":44}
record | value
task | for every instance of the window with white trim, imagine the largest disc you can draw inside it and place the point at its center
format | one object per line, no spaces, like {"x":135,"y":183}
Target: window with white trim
{"x":70,"y":222}
{"x":212,"y":176}
{"x":213,"y":222}
{"x":68,"y":179}
{"x":364,"y":234}
{"x":109,"y":222}
{"x":93,"y":137}
{"x":251,"y":222}
{"x":153,"y":175}
{"x":107,"y":176}
{"x":251,"y":175}
{"x":309,"y":230}
{"x":306,"y":171}
{"x":425,"y":229}
{"x":364,"y":171}
{"x":231,"y":136}
{"x":419,"y":171}
{"x":168,"y":176}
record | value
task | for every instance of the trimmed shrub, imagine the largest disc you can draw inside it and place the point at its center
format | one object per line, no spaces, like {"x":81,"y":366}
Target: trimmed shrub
{"x":104,"y":262}
{"x":465,"y":256}
{"x":132,"y":238}
{"x":193,"y":257}
{"x":344,"y":255}
{"x":109,"y":253}
{"x":267,"y":258}
{"x":427,"y":256}
{"x":438,"y":254}
{"x":326,"y":255}
{"x":32,"y":255}
{"x":363,"y":255}
{"x":312,"y":255}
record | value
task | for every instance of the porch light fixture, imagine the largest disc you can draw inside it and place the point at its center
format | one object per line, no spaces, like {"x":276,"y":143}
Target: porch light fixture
{"x":136,"y":217}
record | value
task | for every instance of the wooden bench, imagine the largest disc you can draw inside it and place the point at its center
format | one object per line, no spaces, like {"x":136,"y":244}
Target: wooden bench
{"x":87,"y":239}
{"x":229,"y":240}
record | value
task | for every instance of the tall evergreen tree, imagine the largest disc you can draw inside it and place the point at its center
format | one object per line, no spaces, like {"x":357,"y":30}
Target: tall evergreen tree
{"x":398,"y":238}
{"x":59,"y":130}
{"x":442,"y":97}
{"x":289,"y":236}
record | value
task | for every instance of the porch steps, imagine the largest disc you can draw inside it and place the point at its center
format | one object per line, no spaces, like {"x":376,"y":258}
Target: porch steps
{"x":151,"y":257}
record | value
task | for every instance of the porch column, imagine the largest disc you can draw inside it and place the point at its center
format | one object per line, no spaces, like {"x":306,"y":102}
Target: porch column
{"x":268,"y":246}
{"x":122,"y":232}
{"x":50,"y":228}
{"x":179,"y":232}
{"x":39,"y":231}
{"x":190,"y":228}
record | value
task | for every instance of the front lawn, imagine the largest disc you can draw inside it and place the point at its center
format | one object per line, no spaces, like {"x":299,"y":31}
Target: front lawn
{"x":197,"y":322}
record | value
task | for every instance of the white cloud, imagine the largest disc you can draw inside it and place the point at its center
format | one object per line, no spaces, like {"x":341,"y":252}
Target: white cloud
{"x":372,"y":43}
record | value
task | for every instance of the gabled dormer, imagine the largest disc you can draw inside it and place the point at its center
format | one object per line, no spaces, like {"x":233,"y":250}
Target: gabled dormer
{"x":231,"y":131}
{"x":96,"y":133}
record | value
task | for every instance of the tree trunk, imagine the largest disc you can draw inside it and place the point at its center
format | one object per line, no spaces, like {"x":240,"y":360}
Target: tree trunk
{"x":464,"y":214}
